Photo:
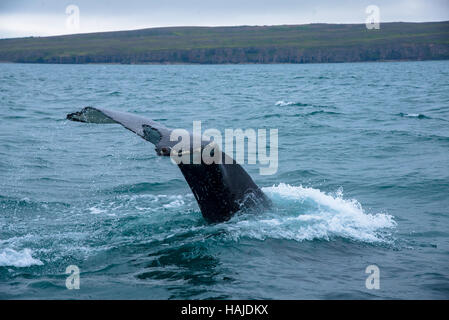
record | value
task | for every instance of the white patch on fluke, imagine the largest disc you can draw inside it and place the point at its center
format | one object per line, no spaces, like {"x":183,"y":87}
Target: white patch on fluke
{"x":13,"y":258}
{"x":308,"y":214}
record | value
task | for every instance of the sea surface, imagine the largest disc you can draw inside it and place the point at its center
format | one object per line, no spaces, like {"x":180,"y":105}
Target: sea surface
{"x":363,"y":179}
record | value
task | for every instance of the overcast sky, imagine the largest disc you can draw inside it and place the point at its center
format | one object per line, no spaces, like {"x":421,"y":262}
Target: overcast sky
{"x":48,"y":17}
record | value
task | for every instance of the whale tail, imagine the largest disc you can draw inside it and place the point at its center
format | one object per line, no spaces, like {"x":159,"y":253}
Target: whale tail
{"x":148,"y":129}
{"x":221,"y":189}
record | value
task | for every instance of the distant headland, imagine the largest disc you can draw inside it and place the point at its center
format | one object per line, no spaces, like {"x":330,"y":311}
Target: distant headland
{"x":310,"y":43}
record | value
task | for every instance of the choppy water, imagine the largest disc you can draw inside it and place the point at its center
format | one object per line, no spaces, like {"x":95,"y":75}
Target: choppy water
{"x":363,"y":179}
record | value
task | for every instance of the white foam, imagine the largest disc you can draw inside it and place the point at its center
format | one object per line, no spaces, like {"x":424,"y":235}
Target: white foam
{"x":141,"y":202}
{"x":95,"y":210}
{"x":413,"y":115}
{"x":308,"y":213}
{"x":156,"y":197}
{"x":13,"y":258}
{"x":282,"y":103}
{"x":174,"y":204}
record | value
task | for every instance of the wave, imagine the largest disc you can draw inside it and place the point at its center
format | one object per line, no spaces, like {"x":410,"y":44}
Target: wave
{"x":12,"y":258}
{"x":147,"y":186}
{"x":313,"y":113}
{"x":14,"y":203}
{"x":145,"y":219}
{"x":298,"y":213}
{"x":282,"y":103}
{"x":302,"y":213}
{"x":413,"y":115}
{"x":137,"y":203}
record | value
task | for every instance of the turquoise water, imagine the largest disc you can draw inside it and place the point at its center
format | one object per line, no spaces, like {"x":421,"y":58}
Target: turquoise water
{"x":363,"y":179}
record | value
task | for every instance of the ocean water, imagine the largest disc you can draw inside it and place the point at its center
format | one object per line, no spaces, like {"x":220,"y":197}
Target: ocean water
{"x":363,"y":179}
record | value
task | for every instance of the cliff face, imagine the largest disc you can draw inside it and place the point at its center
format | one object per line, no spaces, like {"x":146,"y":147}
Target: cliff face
{"x":277,"y":44}
{"x":260,"y":55}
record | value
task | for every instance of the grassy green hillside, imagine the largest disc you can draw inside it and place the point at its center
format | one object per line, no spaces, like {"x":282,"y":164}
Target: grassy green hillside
{"x":245,"y":44}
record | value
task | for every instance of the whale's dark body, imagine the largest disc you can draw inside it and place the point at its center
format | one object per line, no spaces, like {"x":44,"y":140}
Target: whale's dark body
{"x":220,"y":189}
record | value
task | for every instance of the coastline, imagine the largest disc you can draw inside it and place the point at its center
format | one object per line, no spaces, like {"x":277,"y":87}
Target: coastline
{"x":218,"y":64}
{"x":298,"y":44}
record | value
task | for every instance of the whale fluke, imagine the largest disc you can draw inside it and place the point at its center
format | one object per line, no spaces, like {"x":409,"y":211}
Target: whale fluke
{"x":221,"y":189}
